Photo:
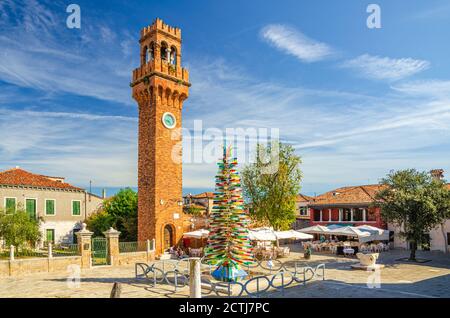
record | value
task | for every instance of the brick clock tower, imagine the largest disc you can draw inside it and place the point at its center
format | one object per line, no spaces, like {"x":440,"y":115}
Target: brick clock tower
{"x":160,"y":86}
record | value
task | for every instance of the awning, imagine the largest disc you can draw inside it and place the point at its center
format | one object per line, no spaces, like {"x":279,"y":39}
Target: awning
{"x":262,"y":234}
{"x":348,"y":231}
{"x":376,"y":234}
{"x":292,"y":234}
{"x":315,"y":229}
{"x":198,"y":234}
{"x":268,"y":234}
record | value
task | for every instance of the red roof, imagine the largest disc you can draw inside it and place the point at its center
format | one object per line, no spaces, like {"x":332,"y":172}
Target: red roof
{"x":209,"y":195}
{"x":20,"y":177}
{"x":304,"y":198}
{"x":348,"y":195}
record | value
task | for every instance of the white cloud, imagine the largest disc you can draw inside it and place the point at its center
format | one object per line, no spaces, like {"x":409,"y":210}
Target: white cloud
{"x":430,"y":88}
{"x":344,"y":137}
{"x":385,"y":68}
{"x":293,"y":42}
{"x":82,"y":147}
{"x":48,"y":58}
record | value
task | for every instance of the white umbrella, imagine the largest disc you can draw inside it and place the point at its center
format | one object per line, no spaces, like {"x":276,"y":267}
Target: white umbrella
{"x":202,"y":233}
{"x":348,"y":231}
{"x":292,"y":234}
{"x":376,"y":234}
{"x":264,"y":234}
{"x":315,"y":229}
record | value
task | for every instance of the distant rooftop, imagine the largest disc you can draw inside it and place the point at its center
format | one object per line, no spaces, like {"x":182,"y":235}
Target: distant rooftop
{"x":20,"y":177}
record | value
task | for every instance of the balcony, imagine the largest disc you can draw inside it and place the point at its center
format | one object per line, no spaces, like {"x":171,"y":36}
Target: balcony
{"x":161,"y":67}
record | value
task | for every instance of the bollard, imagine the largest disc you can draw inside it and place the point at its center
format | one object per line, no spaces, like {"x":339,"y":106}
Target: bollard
{"x":50,"y":250}
{"x":195,"y":286}
{"x":11,"y":253}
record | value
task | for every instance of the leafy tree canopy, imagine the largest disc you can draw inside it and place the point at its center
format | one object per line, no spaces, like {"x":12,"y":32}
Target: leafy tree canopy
{"x":415,"y":202}
{"x":119,"y":212}
{"x":19,"y":229}
{"x":271,"y":185}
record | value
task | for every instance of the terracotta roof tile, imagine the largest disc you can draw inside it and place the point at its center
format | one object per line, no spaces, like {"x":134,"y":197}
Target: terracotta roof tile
{"x":209,"y":195}
{"x":20,"y":177}
{"x":348,"y":195}
{"x":304,"y":198}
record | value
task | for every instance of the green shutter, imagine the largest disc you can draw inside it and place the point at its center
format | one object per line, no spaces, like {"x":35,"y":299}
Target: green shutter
{"x":76,"y":208}
{"x":31,"y":208}
{"x":50,"y":207}
{"x":50,"y":235}
{"x":10,"y":205}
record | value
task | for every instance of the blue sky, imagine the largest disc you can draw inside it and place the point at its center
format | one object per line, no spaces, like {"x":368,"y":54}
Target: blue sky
{"x":354,"y":102}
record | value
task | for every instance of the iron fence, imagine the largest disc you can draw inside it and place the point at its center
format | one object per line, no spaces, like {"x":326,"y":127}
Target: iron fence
{"x":273,"y":279}
{"x":4,"y":254}
{"x":130,"y":247}
{"x":30,"y":253}
{"x":65,"y":250}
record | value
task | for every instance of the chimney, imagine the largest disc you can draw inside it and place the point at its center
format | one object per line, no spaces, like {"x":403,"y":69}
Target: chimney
{"x":437,"y":174}
{"x":104,"y":193}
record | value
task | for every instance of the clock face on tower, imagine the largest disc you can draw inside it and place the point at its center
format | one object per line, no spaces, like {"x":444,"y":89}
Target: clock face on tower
{"x":169,"y":120}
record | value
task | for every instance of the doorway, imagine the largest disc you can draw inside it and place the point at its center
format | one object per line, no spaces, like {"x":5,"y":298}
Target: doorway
{"x":168,"y":240}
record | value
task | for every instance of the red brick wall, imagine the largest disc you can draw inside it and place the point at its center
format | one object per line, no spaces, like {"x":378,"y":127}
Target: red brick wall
{"x":378,"y":222}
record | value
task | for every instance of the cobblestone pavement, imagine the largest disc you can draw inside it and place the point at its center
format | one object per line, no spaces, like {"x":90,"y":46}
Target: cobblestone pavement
{"x":397,"y":279}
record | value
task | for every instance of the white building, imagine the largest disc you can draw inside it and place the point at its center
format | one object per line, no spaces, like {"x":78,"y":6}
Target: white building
{"x":61,"y":206}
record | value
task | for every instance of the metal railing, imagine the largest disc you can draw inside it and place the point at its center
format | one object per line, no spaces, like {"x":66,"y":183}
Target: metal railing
{"x":176,"y":273}
{"x":65,"y":250}
{"x":140,"y":246}
{"x":48,"y":252}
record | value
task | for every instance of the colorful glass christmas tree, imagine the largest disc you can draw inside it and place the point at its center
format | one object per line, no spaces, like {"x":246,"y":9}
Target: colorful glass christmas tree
{"x":228,"y":243}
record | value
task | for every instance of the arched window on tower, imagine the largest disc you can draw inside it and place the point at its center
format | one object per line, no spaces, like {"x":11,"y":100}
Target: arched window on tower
{"x":145,"y":55}
{"x":164,"y":51}
{"x":173,"y":55}
{"x":152,"y":51}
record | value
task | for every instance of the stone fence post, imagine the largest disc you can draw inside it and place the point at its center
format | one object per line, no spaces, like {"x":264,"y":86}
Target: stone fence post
{"x":50,"y":250}
{"x":84,"y":246}
{"x":195,"y":286}
{"x":11,"y":253}
{"x":112,"y":246}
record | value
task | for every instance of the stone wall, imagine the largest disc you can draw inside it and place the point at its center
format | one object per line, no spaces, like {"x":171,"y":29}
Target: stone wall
{"x":135,"y":257}
{"x":26,"y":266}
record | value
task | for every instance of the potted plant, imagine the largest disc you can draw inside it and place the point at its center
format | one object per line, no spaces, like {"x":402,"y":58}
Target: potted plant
{"x":307,"y":253}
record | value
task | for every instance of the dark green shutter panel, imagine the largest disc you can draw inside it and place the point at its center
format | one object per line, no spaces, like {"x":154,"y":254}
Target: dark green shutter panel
{"x":76,"y":208}
{"x":50,"y":207}
{"x":31,"y":208}
{"x":50,"y":236}
{"x":10,"y":205}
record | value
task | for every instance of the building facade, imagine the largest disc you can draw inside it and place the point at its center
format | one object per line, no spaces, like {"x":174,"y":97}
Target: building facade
{"x":303,"y":213}
{"x":61,"y":207}
{"x":354,"y":206}
{"x":203,"y":203}
{"x":347,"y":206}
{"x":160,"y":85}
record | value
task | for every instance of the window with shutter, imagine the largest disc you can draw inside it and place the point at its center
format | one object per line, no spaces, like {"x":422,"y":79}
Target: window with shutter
{"x":49,"y":207}
{"x":10,"y":205}
{"x":76,"y":208}
{"x":31,"y":207}
{"x":50,"y":235}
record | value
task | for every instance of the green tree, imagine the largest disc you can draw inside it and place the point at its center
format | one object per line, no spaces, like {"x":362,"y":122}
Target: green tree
{"x":272,"y":183}
{"x":119,"y":212}
{"x":193,"y":210}
{"x":415,"y":202}
{"x":19,"y":229}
